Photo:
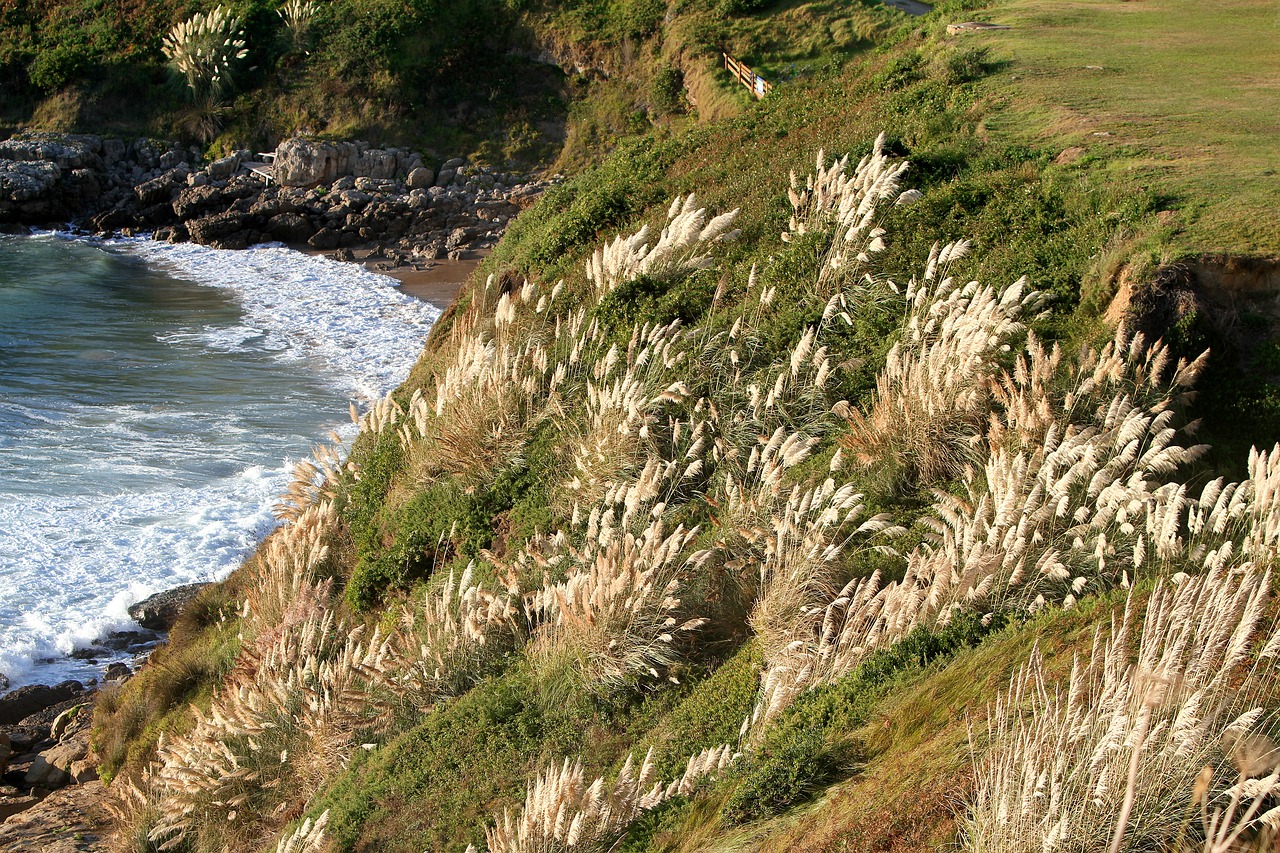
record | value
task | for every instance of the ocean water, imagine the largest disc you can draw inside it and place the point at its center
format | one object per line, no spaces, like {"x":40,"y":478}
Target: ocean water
{"x":153,"y":399}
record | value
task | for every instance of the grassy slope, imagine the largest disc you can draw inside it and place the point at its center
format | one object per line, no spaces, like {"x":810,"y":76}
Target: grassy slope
{"x":982,"y":117}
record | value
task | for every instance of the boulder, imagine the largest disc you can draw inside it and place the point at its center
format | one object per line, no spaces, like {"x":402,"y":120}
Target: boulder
{"x":161,"y":610}
{"x":145,"y":153}
{"x":290,"y":228}
{"x":325,"y":238}
{"x":161,"y":189}
{"x":131,"y":641}
{"x":445,"y":177}
{"x":304,"y":163}
{"x":193,"y":201}
{"x":377,"y":185}
{"x":69,"y":721}
{"x":6,"y":752}
{"x":26,"y":701}
{"x":68,"y":152}
{"x":117,"y":672}
{"x":171,"y":158}
{"x":44,"y":774}
{"x":421,"y":178}
{"x":113,"y":151}
{"x":83,"y":771}
{"x":23,"y":181}
{"x":69,"y":751}
{"x":23,"y":738}
{"x":224,"y":168}
{"x":227,"y":229}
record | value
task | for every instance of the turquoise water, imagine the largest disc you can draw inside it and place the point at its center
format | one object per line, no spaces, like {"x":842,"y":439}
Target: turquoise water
{"x":152,"y":399}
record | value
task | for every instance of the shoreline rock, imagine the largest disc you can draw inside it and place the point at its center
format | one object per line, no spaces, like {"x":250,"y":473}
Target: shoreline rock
{"x":158,"y":612}
{"x":325,"y":195}
{"x":25,"y":702}
{"x":47,"y":749}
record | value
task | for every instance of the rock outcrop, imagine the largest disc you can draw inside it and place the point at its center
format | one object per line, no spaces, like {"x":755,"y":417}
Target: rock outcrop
{"x":303,"y":162}
{"x":327,"y":195}
{"x":26,"y":702}
{"x":71,"y":820}
{"x":45,"y":752}
{"x":161,"y":610}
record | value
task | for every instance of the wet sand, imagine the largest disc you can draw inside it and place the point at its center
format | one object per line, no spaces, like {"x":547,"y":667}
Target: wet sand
{"x":438,"y":285}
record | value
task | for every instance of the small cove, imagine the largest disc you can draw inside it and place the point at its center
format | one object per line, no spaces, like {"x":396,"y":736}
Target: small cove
{"x":152,"y":401}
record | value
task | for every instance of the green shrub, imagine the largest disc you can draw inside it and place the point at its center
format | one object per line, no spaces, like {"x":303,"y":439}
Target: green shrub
{"x":712,"y":713}
{"x":377,"y":458}
{"x":637,"y":19}
{"x":967,"y":65}
{"x":786,"y":769}
{"x":740,"y":7}
{"x":435,"y":786}
{"x":573,"y":215}
{"x":666,"y":91}
{"x":55,"y":67}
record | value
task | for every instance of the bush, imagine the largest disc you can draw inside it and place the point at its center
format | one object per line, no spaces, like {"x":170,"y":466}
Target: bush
{"x":666,"y":91}
{"x":55,"y":67}
{"x":711,"y":714}
{"x":740,"y":7}
{"x":786,"y":769}
{"x":637,"y":19}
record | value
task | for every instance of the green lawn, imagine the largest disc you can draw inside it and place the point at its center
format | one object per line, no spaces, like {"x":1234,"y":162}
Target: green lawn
{"x":1178,"y":96}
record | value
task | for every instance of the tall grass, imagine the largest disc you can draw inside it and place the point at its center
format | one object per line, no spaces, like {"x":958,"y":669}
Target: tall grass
{"x":1144,"y":723}
{"x":565,"y":814}
{"x":689,"y":494}
{"x":205,"y":50}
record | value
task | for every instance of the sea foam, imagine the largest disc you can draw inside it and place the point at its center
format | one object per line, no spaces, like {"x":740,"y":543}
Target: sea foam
{"x":147,"y":507}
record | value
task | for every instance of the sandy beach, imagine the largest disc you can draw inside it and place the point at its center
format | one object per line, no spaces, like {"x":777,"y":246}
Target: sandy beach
{"x":438,"y":284}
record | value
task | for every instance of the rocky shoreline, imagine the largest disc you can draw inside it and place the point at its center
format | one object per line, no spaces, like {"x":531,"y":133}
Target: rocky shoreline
{"x":48,"y":772}
{"x":339,"y":198}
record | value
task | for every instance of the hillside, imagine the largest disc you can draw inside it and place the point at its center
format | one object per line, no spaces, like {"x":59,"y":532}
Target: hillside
{"x":751,"y":507}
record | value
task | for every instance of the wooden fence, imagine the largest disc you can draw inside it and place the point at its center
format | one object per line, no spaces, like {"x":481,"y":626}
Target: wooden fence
{"x":753,"y":81}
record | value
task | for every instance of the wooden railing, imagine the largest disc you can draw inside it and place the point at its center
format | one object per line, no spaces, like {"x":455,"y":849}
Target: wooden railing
{"x":753,"y":81}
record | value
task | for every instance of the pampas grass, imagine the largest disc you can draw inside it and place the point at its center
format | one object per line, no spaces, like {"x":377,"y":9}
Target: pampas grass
{"x":933,"y":394}
{"x":684,"y":487}
{"x":1111,"y":763}
{"x":617,"y":615}
{"x":205,"y":49}
{"x":442,"y":647}
{"x":564,"y":814}
{"x":288,"y":713}
{"x":676,"y":251}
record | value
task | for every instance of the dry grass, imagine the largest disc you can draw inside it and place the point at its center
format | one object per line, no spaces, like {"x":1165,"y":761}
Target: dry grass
{"x":1112,"y":761}
{"x":564,"y":814}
